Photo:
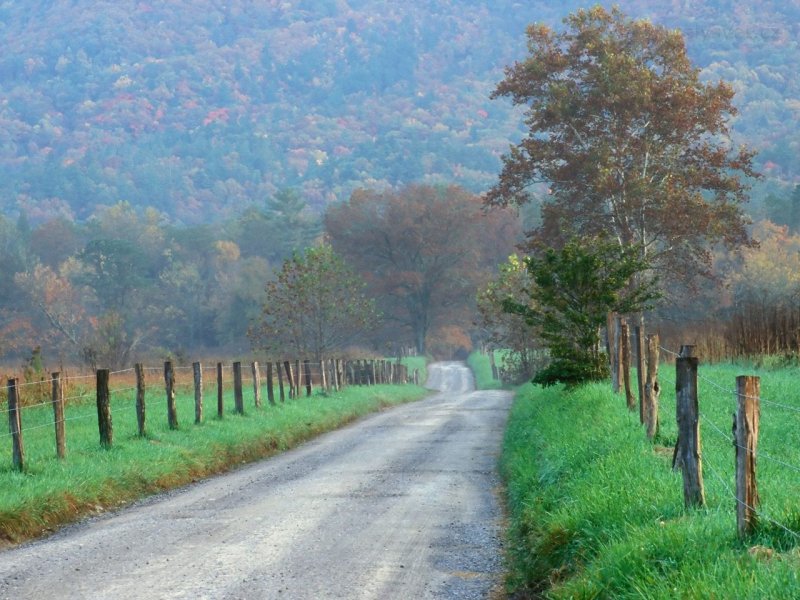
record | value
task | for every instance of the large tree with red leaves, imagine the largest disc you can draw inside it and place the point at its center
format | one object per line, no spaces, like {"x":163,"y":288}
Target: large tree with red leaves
{"x":628,"y":140}
{"x":424,"y":252}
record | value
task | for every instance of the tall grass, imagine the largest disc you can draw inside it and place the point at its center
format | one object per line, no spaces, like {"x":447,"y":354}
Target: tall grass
{"x":50,"y":492}
{"x":597,"y":512}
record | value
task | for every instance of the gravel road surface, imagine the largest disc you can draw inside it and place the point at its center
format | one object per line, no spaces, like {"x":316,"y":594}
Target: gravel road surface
{"x":400,"y":505}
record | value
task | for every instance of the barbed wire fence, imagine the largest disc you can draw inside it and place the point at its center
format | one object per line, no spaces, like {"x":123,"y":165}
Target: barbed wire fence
{"x":80,"y":399}
{"x":732,"y":479}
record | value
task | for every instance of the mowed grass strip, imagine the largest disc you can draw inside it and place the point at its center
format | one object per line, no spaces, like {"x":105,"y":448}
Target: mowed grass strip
{"x":596,"y":511}
{"x":51,"y":493}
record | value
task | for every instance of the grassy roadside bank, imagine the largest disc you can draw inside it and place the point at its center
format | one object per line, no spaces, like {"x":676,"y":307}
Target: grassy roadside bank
{"x":595,"y":510}
{"x":51,"y":493}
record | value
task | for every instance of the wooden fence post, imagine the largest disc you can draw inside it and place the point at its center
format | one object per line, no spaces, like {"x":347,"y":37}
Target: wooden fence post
{"x":687,"y":451}
{"x":220,"y":392}
{"x":237,"y":388}
{"x":307,"y":373}
{"x":323,"y":374}
{"x":745,"y":434}
{"x":169,"y":386}
{"x":15,"y":425}
{"x":197,"y":370}
{"x":341,"y":377}
{"x":641,"y":366}
{"x":625,"y":363}
{"x":141,"y":411}
{"x":495,"y":373}
{"x":612,"y":336}
{"x":287,"y":366}
{"x":333,"y":382}
{"x":652,"y":390}
{"x":296,"y":377}
{"x":256,"y":384}
{"x":104,"y":409}
{"x":58,"y":415}
{"x":270,"y":391}
{"x":280,"y":382}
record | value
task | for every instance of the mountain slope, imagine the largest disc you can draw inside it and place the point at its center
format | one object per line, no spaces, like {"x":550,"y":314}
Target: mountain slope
{"x":200,"y":108}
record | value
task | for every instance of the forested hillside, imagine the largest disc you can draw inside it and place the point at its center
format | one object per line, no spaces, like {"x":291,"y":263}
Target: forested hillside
{"x":199,"y":108}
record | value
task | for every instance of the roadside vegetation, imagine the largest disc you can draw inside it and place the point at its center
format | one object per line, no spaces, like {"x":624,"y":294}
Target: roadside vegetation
{"x":51,"y":493}
{"x":596,"y":511}
{"x":482,"y":371}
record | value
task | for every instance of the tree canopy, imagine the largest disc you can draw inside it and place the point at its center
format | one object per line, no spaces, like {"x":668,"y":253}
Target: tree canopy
{"x":424,"y":252}
{"x":315,"y":304}
{"x":628,"y":141}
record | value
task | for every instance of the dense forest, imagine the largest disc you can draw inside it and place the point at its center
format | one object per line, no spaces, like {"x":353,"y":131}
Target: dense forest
{"x":160,"y":160}
{"x":199,"y":109}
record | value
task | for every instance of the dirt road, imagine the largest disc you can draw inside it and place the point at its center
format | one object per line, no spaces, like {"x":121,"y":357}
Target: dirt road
{"x":399,"y":505}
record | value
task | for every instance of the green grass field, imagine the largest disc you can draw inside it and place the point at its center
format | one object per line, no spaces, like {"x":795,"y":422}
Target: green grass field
{"x":597,"y":512}
{"x":50,"y":493}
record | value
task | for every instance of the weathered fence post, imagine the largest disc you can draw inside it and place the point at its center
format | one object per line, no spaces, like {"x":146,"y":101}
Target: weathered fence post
{"x":297,"y":378}
{"x":220,"y":391}
{"x":641,"y":366}
{"x":625,"y":365}
{"x":270,"y":391}
{"x":687,"y":451}
{"x":745,"y":434}
{"x":287,"y":366}
{"x":197,"y":370}
{"x":495,"y":373}
{"x":169,"y":386}
{"x":323,"y":374}
{"x":58,"y":415}
{"x":341,"y":378}
{"x":280,"y":382}
{"x":652,"y":390}
{"x":141,"y":410}
{"x":238,"y":398}
{"x":612,"y":338}
{"x":307,"y":373}
{"x":15,"y":425}
{"x":256,"y":384}
{"x":104,"y":409}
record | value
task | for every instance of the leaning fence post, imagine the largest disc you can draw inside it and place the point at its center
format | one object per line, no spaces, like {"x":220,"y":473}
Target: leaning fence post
{"x":104,"y":409}
{"x":220,"y":392}
{"x":58,"y":415}
{"x":652,"y":390}
{"x":238,"y":398}
{"x":197,"y":369}
{"x":169,"y":387}
{"x":256,"y":384}
{"x":687,"y":450}
{"x":140,"y":402}
{"x":287,"y":366}
{"x":745,"y":432}
{"x":15,"y":425}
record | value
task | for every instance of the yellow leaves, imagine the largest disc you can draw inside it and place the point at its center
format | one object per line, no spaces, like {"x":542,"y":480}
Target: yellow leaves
{"x":227,"y":251}
{"x":773,"y":269}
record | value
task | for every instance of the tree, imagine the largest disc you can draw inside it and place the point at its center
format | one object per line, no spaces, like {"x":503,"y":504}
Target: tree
{"x":571,"y":292}
{"x":510,"y":330}
{"x":628,"y":140}
{"x":424,"y":251}
{"x":315,"y":305}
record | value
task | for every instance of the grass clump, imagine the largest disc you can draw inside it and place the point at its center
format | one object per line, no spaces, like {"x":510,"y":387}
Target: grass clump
{"x":51,"y":493}
{"x":597,"y":512}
